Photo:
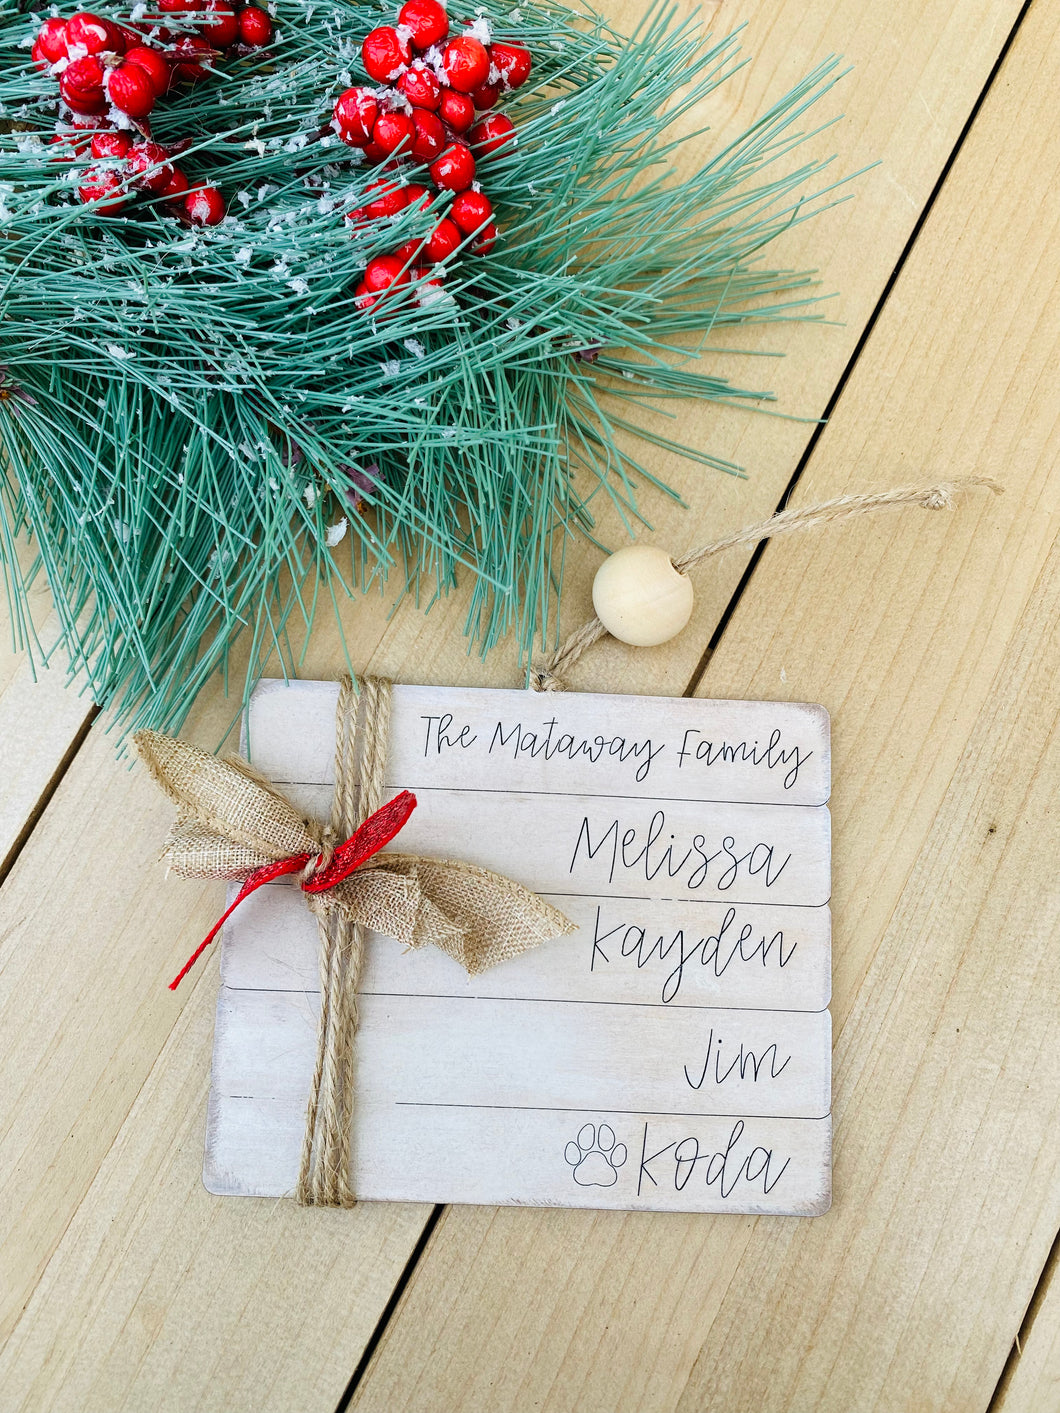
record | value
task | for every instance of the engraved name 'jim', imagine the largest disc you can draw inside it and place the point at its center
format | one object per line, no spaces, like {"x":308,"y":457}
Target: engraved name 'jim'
{"x":657,"y":852}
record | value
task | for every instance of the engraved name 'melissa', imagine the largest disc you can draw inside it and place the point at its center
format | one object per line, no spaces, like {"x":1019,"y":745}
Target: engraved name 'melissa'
{"x":547,"y":741}
{"x":612,"y":848}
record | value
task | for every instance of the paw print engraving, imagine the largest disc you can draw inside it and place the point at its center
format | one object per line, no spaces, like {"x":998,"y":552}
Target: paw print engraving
{"x":595,"y":1157}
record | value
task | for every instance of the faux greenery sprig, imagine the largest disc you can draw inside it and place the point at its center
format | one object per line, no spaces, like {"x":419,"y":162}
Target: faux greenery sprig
{"x":204,"y":432}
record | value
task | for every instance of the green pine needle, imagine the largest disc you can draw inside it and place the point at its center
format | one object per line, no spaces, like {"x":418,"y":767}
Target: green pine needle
{"x":187,"y":412}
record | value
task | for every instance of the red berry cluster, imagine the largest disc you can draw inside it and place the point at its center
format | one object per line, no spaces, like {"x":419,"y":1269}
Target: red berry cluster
{"x":110,"y":77}
{"x":144,"y":165}
{"x":432,"y":85}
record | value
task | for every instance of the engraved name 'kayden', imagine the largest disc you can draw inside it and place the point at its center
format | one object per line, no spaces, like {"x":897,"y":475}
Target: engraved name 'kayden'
{"x":656,"y":851}
{"x":732,"y":943}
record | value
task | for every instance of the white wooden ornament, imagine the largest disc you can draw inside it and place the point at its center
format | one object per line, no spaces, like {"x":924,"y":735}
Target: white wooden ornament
{"x":672,"y":1054}
{"x":640,"y":597}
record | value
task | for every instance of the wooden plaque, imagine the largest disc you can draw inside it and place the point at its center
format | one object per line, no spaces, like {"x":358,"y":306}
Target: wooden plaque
{"x":672,"y":1054}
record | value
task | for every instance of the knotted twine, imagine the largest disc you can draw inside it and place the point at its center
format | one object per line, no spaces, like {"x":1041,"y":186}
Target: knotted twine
{"x":232,"y":823}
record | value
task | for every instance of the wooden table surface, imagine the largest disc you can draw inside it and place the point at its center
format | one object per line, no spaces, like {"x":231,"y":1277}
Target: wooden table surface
{"x":932,"y":639}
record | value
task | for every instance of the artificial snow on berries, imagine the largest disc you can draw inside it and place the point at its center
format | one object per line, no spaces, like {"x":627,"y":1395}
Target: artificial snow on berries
{"x":355,"y":113}
{"x":457,"y":110}
{"x":81,"y":85}
{"x":110,"y":144}
{"x":102,"y":186}
{"x":466,"y":63}
{"x":52,"y":40}
{"x":391,"y":131}
{"x":148,"y":165}
{"x":222,"y":26}
{"x":206,"y":206}
{"x":429,"y":137}
{"x":255,"y":26}
{"x":434,"y":83}
{"x":130,"y":89}
{"x":110,"y":77}
{"x":454,"y":170}
{"x":192,"y":55}
{"x":385,"y":54}
{"x":512,"y":61}
{"x":491,"y":134}
{"x":425,"y":20}
{"x":93,"y":35}
{"x":420,"y":86}
{"x":154,"y":65}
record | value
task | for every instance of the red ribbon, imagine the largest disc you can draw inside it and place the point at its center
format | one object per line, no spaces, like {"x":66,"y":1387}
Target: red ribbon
{"x":374,"y":834}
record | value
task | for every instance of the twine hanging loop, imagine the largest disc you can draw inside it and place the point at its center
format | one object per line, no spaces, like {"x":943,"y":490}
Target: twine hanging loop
{"x":549,"y":676}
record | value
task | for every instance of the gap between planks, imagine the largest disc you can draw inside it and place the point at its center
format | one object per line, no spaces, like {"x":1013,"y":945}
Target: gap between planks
{"x":1050,"y":1272}
{"x":33,"y":816}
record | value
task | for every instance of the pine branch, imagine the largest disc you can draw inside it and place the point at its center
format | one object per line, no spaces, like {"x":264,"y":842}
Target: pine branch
{"x":187,"y":413}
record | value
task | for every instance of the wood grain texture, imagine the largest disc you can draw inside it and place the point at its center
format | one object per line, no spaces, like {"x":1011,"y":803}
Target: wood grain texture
{"x":933,"y":643}
{"x":152,"y":1294}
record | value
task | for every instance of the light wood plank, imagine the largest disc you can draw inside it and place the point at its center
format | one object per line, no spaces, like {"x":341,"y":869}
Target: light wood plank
{"x":714,"y":955}
{"x":933,"y":643}
{"x":1032,"y":1384}
{"x":41,"y":720}
{"x":86,"y":1087}
{"x":463,"y":739}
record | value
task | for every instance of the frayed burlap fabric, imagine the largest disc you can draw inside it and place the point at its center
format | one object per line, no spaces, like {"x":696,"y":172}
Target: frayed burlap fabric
{"x":231,"y":821}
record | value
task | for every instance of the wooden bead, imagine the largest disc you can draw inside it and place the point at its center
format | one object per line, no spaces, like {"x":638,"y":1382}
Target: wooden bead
{"x":640,"y":597}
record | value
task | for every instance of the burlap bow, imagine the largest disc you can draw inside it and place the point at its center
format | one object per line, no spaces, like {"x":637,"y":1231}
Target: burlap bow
{"x":232,"y":823}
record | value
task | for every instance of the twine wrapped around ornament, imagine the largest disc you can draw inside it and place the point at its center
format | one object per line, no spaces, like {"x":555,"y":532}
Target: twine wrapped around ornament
{"x":232,"y":823}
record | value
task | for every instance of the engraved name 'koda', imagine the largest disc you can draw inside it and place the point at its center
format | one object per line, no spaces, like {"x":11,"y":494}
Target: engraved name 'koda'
{"x":693,"y":863}
{"x":687,"y":1160}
